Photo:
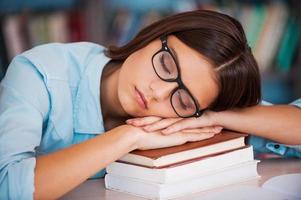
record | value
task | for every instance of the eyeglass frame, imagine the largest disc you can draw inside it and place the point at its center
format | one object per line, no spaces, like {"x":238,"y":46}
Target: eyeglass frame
{"x":178,"y":79}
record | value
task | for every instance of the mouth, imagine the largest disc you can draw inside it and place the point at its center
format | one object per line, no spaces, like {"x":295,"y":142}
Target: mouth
{"x":140,"y":99}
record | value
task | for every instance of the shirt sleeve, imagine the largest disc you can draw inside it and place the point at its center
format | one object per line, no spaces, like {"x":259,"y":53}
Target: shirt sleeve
{"x":263,"y":145}
{"x":296,"y":103}
{"x":23,"y":107}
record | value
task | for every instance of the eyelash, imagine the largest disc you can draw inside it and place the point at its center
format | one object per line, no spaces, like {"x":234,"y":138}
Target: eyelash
{"x":182,"y":103}
{"x":163,"y":63}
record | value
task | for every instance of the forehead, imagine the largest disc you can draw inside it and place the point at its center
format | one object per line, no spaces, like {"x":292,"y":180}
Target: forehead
{"x":197,"y":72}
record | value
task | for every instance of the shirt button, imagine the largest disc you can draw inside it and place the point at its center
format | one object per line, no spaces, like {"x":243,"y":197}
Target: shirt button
{"x":276,"y":146}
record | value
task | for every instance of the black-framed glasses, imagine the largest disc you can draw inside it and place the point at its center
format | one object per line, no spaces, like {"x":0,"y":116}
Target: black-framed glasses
{"x":167,"y":69}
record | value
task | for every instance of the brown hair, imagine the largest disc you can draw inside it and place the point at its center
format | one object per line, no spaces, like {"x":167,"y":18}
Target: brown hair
{"x":221,"y":39}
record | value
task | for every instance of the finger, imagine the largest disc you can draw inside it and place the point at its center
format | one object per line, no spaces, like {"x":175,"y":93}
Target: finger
{"x":164,"y":123}
{"x":142,"y":121}
{"x":188,"y":123}
{"x":194,"y":130}
{"x":211,"y":129}
{"x":193,"y":137}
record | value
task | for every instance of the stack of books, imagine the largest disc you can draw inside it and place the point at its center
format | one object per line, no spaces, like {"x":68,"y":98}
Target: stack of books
{"x":180,"y":170}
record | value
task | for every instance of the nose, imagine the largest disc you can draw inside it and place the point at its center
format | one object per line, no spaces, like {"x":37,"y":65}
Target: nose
{"x":161,"y":90}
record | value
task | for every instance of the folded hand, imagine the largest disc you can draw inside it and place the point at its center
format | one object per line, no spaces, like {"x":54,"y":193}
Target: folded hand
{"x":203,"y":124}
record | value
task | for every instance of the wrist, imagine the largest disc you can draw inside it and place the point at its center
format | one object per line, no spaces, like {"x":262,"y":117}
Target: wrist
{"x":217,"y":118}
{"x":134,"y":134}
{"x":213,"y":118}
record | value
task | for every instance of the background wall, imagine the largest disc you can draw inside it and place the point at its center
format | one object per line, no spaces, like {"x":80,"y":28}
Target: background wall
{"x":272,"y":28}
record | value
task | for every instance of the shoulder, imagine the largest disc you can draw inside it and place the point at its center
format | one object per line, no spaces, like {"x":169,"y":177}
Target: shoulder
{"x":54,"y":60}
{"x":57,"y":48}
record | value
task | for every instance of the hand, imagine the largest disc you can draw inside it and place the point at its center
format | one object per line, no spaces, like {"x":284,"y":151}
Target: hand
{"x":204,"y":124}
{"x":154,"y":140}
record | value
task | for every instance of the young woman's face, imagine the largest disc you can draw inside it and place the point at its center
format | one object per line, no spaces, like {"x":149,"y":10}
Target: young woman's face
{"x":142,"y":93}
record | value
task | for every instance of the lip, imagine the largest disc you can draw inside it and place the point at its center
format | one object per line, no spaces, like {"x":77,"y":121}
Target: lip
{"x":140,"y":98}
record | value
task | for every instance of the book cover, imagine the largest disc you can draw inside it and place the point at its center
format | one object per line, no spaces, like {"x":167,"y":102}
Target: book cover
{"x":222,"y":142}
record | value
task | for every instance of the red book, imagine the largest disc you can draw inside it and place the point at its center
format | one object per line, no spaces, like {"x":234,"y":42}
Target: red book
{"x":158,"y":158}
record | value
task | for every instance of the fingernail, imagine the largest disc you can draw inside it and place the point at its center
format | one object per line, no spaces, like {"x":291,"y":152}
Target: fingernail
{"x":218,"y":129}
{"x":137,"y":123}
{"x":166,"y":131}
{"x":146,"y":128}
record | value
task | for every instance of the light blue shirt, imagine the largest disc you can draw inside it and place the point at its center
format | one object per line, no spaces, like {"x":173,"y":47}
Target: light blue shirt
{"x":49,"y":99}
{"x":262,"y":145}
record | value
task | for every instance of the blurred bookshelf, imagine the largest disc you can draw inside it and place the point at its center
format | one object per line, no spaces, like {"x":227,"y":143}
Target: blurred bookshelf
{"x":272,"y":28}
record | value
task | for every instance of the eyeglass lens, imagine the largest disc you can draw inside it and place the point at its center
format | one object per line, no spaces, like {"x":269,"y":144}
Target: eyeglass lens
{"x":166,"y":69}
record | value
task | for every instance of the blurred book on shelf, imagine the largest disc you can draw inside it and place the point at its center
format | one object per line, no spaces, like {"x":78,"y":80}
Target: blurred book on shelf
{"x":3,"y":55}
{"x":34,"y":22}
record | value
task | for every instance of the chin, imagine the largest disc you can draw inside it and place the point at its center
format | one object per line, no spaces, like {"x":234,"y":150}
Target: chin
{"x":129,"y":107}
{"x":134,"y":112}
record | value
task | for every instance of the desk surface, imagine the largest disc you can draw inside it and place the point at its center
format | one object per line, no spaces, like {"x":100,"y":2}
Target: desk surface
{"x":95,"y":189}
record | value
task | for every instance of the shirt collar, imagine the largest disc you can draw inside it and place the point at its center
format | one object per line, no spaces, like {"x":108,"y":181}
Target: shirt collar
{"x":87,"y":111}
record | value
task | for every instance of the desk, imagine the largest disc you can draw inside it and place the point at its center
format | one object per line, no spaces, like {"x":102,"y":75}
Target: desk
{"x":95,"y":189}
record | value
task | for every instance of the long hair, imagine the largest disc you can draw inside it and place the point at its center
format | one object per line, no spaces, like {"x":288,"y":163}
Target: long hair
{"x":218,"y":37}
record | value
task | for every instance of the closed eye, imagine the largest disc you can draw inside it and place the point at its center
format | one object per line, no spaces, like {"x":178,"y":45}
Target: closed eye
{"x":163,"y":64}
{"x":185,"y":101}
{"x":183,"y":105}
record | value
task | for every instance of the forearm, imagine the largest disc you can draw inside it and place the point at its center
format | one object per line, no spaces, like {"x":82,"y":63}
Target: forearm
{"x":61,"y":171}
{"x":280,"y":123}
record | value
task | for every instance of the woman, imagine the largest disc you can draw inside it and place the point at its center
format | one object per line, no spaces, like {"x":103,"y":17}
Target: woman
{"x":63,"y":106}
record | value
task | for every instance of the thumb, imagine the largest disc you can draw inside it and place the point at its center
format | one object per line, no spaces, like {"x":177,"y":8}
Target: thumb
{"x":209,"y":129}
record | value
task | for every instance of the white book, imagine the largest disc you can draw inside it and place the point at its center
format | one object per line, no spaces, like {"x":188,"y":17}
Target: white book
{"x":184,"y":171}
{"x":238,"y":173}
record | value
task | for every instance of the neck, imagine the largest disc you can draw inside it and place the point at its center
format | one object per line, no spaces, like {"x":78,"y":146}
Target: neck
{"x":110,"y":104}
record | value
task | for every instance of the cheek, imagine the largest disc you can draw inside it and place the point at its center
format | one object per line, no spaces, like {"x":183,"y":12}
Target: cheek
{"x":162,"y":109}
{"x":138,"y":67}
{"x":135,"y":71}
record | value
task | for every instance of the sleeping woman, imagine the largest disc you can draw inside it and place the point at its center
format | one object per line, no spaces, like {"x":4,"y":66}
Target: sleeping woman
{"x":63,"y":107}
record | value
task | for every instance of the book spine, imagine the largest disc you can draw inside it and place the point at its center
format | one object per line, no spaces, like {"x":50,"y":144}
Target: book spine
{"x":182,"y":172}
{"x":150,"y":190}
